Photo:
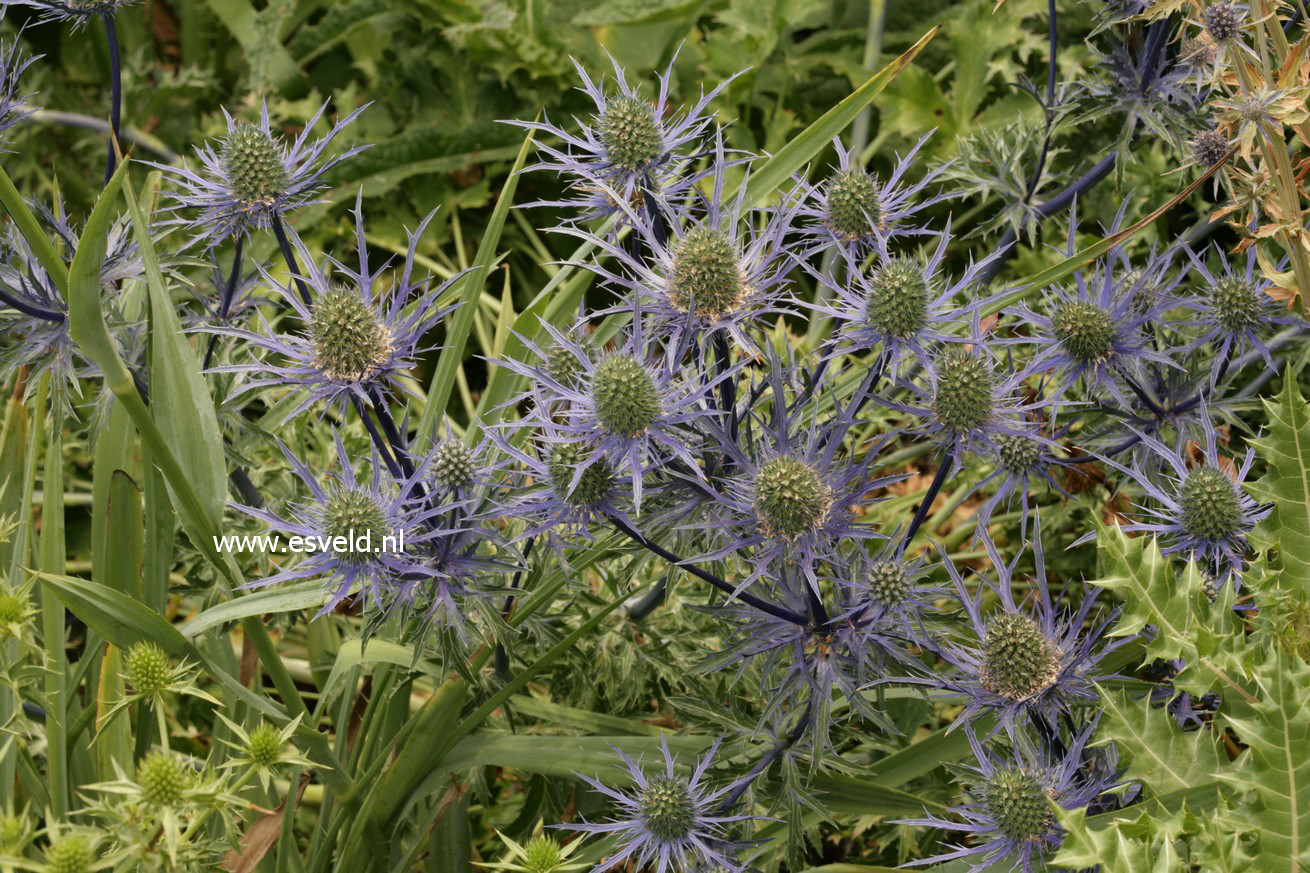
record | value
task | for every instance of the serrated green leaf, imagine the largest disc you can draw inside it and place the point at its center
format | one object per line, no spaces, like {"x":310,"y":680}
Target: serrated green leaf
{"x":1158,"y":753}
{"x":1285,"y":447}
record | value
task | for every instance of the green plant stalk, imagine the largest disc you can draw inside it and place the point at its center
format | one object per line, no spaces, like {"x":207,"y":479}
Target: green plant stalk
{"x":52,"y":555}
{"x":30,"y":228}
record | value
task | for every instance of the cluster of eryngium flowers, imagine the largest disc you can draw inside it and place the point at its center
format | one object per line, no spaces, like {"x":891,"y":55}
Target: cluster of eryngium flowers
{"x":671,"y":417}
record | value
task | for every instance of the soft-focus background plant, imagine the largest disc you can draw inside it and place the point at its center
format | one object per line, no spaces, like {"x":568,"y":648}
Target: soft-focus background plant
{"x":200,"y":724}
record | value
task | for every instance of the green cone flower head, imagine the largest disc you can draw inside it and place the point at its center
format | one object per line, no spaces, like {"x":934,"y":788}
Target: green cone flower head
{"x":351,"y":344}
{"x":13,"y":834}
{"x":707,"y":273}
{"x":630,"y":132}
{"x":71,"y":853}
{"x":1212,"y":506}
{"x":1237,"y":304}
{"x":253,"y":162}
{"x":898,"y":299}
{"x":350,"y":513}
{"x":1019,"y":454}
{"x":542,"y":855}
{"x":1018,"y":659}
{"x":265,"y":745}
{"x":790,"y":498}
{"x":626,"y":398}
{"x":595,"y":485}
{"x":667,"y":808}
{"x":163,"y":778}
{"x":890,"y":582}
{"x":562,"y":365}
{"x":454,"y":465}
{"x":149,"y":669}
{"x":1085,"y":330}
{"x":16,"y":613}
{"x":854,"y":208}
{"x":1018,"y":803}
{"x":965,"y":391}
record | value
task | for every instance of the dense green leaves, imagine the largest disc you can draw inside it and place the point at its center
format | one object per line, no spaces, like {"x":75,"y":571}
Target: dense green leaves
{"x":1285,"y":446}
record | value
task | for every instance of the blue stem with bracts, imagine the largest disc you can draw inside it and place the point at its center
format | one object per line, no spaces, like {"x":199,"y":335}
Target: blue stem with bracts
{"x":30,"y":310}
{"x":746,"y":597}
{"x":765,"y":762}
{"x":116,"y":97}
{"x":227,"y":293}
{"x":930,"y":496}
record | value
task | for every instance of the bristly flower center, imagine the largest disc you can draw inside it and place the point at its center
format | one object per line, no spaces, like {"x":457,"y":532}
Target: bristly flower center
{"x":898,"y":298}
{"x":790,"y":498}
{"x":629,"y":132}
{"x":1209,"y":148}
{"x":453,"y":465}
{"x":965,"y":392}
{"x":625,"y":396}
{"x":1212,"y":507}
{"x":1237,"y":304}
{"x":889,"y":582}
{"x":1223,"y":21}
{"x":71,"y":854}
{"x":351,"y":344}
{"x":854,"y":208}
{"x":1018,"y":803}
{"x":163,"y":779}
{"x":352,"y":513}
{"x":707,"y":274}
{"x":252,"y":162}
{"x":265,"y":746}
{"x":562,"y":364}
{"x":1086,"y":331}
{"x":1019,"y":455}
{"x":1018,"y":659}
{"x":667,"y":808}
{"x":541,"y":854}
{"x":595,"y":485}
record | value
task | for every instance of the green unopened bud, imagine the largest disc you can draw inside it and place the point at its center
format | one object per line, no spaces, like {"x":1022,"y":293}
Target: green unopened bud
{"x":454,"y":465}
{"x":542,"y":855}
{"x":854,"y":208}
{"x":163,"y":778}
{"x":1212,"y":506}
{"x":630,"y":133}
{"x":350,"y":513}
{"x":790,"y":498}
{"x":667,"y":808}
{"x":889,"y":582}
{"x":1237,"y":304}
{"x":148,"y":669}
{"x":898,"y":298}
{"x":595,"y":485}
{"x":624,"y":393}
{"x":252,"y":162}
{"x":13,"y":834}
{"x":265,"y":746}
{"x":1019,"y":805}
{"x":1018,"y":659}
{"x":1086,"y":331}
{"x":350,"y":342}
{"x":965,"y":391}
{"x":1020,"y":455}
{"x":71,"y":853}
{"x":707,"y":273}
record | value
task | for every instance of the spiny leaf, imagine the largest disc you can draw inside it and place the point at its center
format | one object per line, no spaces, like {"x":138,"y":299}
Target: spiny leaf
{"x":1161,"y":755}
{"x":1286,"y":484}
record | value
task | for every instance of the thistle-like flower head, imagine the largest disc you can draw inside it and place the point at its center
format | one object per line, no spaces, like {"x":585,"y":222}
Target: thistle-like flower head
{"x":78,"y":12}
{"x":13,"y":103}
{"x":250,"y":176}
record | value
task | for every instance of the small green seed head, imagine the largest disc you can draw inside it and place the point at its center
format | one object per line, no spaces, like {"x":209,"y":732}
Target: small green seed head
{"x":898,"y":298}
{"x":1237,"y":304}
{"x":624,"y":393}
{"x":163,"y":778}
{"x":854,"y":207}
{"x":889,"y":582}
{"x":1018,"y":659}
{"x":70,"y":854}
{"x":562,"y":365}
{"x":265,"y":746}
{"x":13,"y":833}
{"x":1019,"y":804}
{"x":350,"y":342}
{"x":1212,"y":506}
{"x":1019,"y":455}
{"x":1086,"y":331}
{"x":542,"y":855}
{"x":667,"y":808}
{"x":454,"y":465}
{"x":707,"y":273}
{"x":966,"y":388}
{"x":350,"y":513}
{"x":630,"y":133}
{"x":594,"y":486}
{"x":15,"y":612}
{"x":148,"y":669}
{"x":252,"y":162}
{"x":790,"y":498}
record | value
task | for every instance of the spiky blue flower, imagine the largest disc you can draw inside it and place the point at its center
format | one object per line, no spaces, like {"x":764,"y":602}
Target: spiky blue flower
{"x":356,"y":335}
{"x":1020,"y":462}
{"x":13,"y":103}
{"x":79,"y":12}
{"x":1202,"y":512}
{"x":33,"y":311}
{"x":1009,"y":816}
{"x":632,"y":151}
{"x":1233,"y":311}
{"x":900,"y":304}
{"x":630,"y":407}
{"x":436,"y":564}
{"x":1023,"y":664}
{"x":252,"y":176}
{"x":855,"y":211}
{"x":717,"y":275}
{"x":666,"y":821}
